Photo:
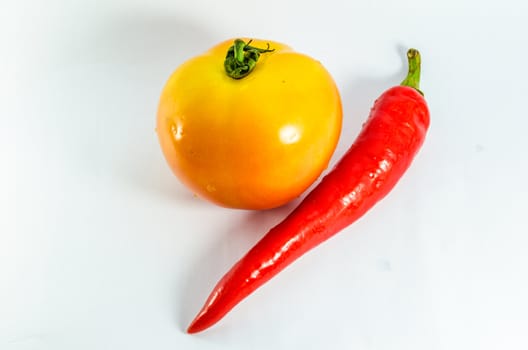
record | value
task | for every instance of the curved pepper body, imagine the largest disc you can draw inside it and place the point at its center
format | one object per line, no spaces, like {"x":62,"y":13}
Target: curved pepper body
{"x":382,"y":152}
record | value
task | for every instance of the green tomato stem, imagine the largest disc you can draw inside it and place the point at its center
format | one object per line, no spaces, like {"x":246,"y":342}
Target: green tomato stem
{"x":413,"y":76}
{"x":242,"y":58}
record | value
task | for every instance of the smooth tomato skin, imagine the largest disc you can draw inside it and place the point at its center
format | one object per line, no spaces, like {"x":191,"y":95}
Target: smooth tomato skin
{"x":253,"y":143}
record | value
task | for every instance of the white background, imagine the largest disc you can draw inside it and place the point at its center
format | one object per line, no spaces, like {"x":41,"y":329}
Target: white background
{"x":102,"y":248}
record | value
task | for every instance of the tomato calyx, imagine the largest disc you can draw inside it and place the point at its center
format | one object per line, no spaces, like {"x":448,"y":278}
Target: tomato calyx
{"x":242,"y":58}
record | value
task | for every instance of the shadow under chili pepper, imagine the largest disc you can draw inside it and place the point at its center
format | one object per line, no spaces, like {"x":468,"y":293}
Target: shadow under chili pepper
{"x":230,"y":244}
{"x":358,"y":96}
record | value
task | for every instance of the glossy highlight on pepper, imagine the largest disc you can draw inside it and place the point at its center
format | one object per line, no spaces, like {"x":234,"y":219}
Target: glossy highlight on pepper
{"x":367,"y":172}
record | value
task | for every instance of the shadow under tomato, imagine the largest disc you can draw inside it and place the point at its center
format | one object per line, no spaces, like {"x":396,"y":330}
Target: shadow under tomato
{"x":157,"y":45}
{"x":111,"y":77}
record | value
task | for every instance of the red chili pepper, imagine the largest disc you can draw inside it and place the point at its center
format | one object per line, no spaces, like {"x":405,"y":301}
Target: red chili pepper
{"x":388,"y":142}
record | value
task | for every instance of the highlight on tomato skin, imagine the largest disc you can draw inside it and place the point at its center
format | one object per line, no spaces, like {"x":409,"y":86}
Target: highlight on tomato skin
{"x":249,"y":124}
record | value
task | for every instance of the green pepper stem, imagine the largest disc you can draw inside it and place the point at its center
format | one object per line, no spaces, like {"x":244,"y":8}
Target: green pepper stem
{"x":242,"y":58}
{"x":413,"y":76}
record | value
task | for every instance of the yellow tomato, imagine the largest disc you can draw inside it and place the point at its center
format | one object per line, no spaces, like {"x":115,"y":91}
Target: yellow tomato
{"x":255,"y":142}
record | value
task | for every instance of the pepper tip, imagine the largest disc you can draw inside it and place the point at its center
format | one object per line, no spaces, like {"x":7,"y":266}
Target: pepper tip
{"x":198,"y":324}
{"x":191,"y":329}
{"x":194,"y":327}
